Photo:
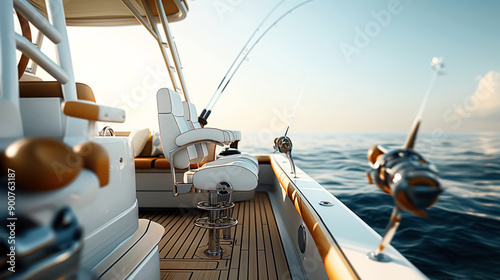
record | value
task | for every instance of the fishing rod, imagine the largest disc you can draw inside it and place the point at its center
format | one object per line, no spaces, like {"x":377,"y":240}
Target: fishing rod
{"x":243,"y":54}
{"x":284,"y":144}
{"x":243,"y":49}
{"x":403,"y":173}
{"x":437,"y":65}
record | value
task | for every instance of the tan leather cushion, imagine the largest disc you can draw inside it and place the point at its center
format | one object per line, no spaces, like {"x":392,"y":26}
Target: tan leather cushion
{"x":145,"y":162}
{"x":53,"y":89}
{"x":162,"y":163}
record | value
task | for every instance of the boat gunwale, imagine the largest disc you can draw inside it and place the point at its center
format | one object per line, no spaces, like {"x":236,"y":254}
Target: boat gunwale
{"x":335,"y":262}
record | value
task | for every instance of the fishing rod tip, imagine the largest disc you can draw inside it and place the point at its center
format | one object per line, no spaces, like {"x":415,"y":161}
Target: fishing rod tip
{"x":437,"y":63}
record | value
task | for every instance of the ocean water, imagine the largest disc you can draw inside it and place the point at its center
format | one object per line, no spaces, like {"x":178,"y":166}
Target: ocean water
{"x":461,"y":237}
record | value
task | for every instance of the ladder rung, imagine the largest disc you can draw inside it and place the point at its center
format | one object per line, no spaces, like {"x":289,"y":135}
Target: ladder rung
{"x":31,"y":14}
{"x":28,"y":48}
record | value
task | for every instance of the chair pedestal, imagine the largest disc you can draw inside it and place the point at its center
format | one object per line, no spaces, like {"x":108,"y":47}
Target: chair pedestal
{"x":219,"y":208}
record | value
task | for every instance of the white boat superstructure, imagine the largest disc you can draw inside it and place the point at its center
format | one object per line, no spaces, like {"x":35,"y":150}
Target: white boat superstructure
{"x":77,"y":191}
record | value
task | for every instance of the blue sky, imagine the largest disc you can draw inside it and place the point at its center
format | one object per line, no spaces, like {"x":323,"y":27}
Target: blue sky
{"x":377,"y":85}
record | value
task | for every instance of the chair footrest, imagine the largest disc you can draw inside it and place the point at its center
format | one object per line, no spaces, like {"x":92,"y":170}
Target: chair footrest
{"x":223,"y":205}
{"x":219,"y":223}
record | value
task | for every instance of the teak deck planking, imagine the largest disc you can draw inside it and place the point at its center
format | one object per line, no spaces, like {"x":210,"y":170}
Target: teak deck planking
{"x":254,"y":252}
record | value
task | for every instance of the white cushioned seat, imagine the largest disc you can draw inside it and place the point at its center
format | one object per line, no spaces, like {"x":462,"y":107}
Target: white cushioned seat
{"x":241,"y":174}
{"x":176,"y":134}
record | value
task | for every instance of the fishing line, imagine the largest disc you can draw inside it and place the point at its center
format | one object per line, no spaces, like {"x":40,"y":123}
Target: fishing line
{"x":296,"y":105}
{"x":437,"y":65}
{"x":205,"y":113}
{"x":241,"y":52}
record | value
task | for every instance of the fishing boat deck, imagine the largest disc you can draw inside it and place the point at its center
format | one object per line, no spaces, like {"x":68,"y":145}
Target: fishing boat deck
{"x":254,"y":252}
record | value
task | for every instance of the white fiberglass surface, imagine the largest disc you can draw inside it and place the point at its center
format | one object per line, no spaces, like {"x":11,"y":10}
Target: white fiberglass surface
{"x":353,"y":236}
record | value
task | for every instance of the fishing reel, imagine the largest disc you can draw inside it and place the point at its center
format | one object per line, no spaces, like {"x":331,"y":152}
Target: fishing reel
{"x":284,"y":145}
{"x":407,"y":176}
{"x":410,"y":179}
{"x":403,"y":173}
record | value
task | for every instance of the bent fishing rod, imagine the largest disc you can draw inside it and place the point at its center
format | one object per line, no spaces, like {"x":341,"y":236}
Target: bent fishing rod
{"x":241,"y":57}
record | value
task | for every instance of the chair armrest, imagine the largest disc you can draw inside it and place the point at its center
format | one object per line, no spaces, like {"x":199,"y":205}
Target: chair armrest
{"x":170,"y":157}
{"x":237,"y":134}
{"x":199,"y":135}
{"x":93,"y":112}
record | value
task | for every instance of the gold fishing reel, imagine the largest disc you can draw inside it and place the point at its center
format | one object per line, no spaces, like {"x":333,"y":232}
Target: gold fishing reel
{"x":412,"y":182}
{"x":403,"y":173}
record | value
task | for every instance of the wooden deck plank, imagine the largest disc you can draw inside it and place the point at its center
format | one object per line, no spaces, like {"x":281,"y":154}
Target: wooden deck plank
{"x":270,"y":264}
{"x":233,"y":274}
{"x":245,"y":223}
{"x":243,"y":269}
{"x":261,"y":254}
{"x":205,"y":275}
{"x":262,"y":265}
{"x":167,"y":275}
{"x":238,"y":233}
{"x":180,"y":237}
{"x":256,"y":248}
{"x":282,"y":269}
{"x":258,"y":222}
{"x":223,"y":274}
{"x":187,"y":244}
{"x":252,"y":246}
{"x":192,"y":265}
{"x":179,"y":226}
{"x":195,"y":244}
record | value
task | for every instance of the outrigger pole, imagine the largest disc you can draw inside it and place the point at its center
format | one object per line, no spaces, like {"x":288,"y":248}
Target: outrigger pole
{"x":241,"y":57}
{"x":174,"y":69}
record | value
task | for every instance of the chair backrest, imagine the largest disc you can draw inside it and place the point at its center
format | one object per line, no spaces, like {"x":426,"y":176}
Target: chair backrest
{"x":172,"y":123}
{"x":192,"y":118}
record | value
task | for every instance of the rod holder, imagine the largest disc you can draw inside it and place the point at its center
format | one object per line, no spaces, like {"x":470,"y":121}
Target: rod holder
{"x":390,"y":231}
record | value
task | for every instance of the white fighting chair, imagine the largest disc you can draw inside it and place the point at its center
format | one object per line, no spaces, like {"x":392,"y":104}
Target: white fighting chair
{"x":206,"y":152}
{"x":219,"y":178}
